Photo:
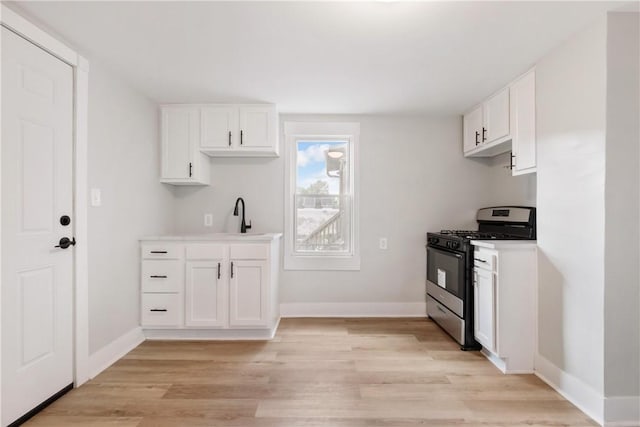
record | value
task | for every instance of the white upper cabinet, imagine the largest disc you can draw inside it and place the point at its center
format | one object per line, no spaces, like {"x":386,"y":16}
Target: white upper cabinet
{"x":190,"y":133}
{"x":505,"y":122}
{"x":239,"y":130}
{"x":182,"y":162}
{"x":487,"y":126}
{"x":258,"y":130}
{"x":219,"y":127}
{"x":523,"y":111}
{"x":472,"y":124}
{"x":496,"y":117}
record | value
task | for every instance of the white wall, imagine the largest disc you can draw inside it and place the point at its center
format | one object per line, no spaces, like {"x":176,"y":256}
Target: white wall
{"x":622,"y":271}
{"x":570,"y":107}
{"x":124,"y":164}
{"x":413,"y":179}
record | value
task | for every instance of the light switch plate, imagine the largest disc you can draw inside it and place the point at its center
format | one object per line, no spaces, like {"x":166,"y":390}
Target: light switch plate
{"x":96,"y":197}
{"x":208,"y":220}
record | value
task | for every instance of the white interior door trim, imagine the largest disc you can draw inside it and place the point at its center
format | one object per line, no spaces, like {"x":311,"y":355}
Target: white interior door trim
{"x":19,"y":25}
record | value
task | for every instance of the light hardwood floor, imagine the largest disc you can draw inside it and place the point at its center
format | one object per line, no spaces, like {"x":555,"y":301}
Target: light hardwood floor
{"x":315,"y":373}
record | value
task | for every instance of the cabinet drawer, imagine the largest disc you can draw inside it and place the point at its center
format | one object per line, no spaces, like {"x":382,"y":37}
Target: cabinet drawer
{"x":162,"y":276}
{"x":161,"y":309}
{"x":161,"y":251}
{"x":205,"y":251}
{"x":249,"y":251}
{"x":484,"y":259}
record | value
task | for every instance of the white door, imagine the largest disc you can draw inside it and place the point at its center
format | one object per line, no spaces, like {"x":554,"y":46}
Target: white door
{"x":496,"y":117}
{"x":37,"y":278}
{"x":248,"y":293}
{"x":206,"y":294}
{"x":257,"y":126}
{"x":484,"y":308}
{"x":472,"y":124}
{"x":180,"y":135}
{"x":523,"y":107}
{"x":219,"y":127}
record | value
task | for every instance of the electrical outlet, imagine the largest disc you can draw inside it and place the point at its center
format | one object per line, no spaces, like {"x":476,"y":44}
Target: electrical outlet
{"x":383,"y":243}
{"x":208,"y":220}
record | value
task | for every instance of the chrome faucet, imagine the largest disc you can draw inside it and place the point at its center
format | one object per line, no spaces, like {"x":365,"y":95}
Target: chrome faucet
{"x":243,"y":226}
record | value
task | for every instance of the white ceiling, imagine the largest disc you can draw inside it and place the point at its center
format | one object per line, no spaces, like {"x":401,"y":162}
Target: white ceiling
{"x":319,"y":57}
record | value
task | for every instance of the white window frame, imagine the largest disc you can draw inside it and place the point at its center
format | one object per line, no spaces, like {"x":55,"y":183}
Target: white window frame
{"x":293,"y":132}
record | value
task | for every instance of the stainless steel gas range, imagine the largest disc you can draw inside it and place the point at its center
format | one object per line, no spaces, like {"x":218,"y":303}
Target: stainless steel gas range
{"x":450,"y":266}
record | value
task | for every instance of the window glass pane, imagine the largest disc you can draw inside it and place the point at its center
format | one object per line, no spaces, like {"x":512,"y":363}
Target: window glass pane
{"x":322,"y":198}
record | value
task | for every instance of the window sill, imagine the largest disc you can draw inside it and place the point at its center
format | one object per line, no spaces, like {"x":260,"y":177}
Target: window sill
{"x":324,"y":263}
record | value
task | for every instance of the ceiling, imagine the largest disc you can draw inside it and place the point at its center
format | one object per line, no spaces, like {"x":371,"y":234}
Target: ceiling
{"x":318,"y":57}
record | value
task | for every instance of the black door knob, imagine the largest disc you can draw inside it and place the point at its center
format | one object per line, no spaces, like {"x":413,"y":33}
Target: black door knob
{"x":65,"y":242}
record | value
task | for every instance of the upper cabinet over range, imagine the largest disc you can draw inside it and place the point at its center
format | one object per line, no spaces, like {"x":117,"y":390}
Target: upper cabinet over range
{"x":505,"y":122}
{"x":192,"y":132}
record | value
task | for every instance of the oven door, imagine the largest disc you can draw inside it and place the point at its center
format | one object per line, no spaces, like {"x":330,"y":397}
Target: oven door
{"x":446,"y":270}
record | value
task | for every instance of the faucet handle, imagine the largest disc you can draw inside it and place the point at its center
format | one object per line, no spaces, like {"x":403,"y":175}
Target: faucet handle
{"x":248,"y":226}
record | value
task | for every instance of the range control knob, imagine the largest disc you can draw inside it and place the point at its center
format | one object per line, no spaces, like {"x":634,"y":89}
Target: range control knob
{"x":433,"y":240}
{"x":449,"y":244}
{"x":455,"y":245}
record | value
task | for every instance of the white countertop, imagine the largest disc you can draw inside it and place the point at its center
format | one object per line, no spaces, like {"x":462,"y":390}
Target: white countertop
{"x":216,"y":237}
{"x":497,"y":244}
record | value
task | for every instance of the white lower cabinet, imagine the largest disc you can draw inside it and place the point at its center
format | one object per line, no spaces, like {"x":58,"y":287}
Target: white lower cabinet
{"x":205,"y":295}
{"x":162,"y":309}
{"x":505,"y":283}
{"x":210,"y":289}
{"x":485,"y":308}
{"x":247,"y":289}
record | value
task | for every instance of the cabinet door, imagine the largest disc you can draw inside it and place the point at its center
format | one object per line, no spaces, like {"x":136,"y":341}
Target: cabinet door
{"x":205,"y":296}
{"x":219,"y":128}
{"x":484,"y":308}
{"x":523,"y":114}
{"x":472,"y":129}
{"x":248,"y":293}
{"x":496,"y":117}
{"x":179,"y":135}
{"x":182,"y":162}
{"x":257,"y":127}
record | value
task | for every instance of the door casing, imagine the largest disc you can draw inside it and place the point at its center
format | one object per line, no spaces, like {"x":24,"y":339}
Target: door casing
{"x":21,"y":26}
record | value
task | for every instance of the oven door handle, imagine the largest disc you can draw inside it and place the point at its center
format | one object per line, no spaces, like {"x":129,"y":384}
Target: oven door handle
{"x":448,"y":253}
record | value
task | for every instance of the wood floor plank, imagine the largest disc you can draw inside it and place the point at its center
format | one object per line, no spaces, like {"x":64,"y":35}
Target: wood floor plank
{"x":363,"y":408}
{"x":266,"y":391}
{"x":79,"y":421}
{"x":314,"y":373}
{"x":455,"y":392}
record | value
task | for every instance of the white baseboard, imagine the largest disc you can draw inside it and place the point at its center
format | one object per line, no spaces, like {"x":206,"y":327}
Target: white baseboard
{"x":571,"y":388}
{"x":112,"y":352}
{"x":622,"y":411}
{"x":212,"y":334}
{"x":354,"y":309}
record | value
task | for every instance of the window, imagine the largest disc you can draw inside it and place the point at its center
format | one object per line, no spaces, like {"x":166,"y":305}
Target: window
{"x":321,"y":209}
